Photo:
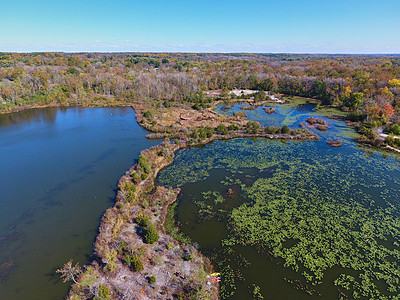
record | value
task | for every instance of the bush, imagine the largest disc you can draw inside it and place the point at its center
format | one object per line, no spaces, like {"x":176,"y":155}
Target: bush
{"x":144,"y":164}
{"x":148,"y":114}
{"x":203,"y":133}
{"x":130,"y":189}
{"x":259,"y":96}
{"x":143,"y":176}
{"x":270,"y":129}
{"x":221,"y":129}
{"x":151,"y":236}
{"x":134,"y":262}
{"x":146,"y":168}
{"x":152,"y":279}
{"x":252,"y":127}
{"x":135,"y":177}
{"x":355,"y":116}
{"x":188,"y":257}
{"x":143,"y":220}
{"x":395,"y":129}
{"x":104,"y":292}
{"x":233,"y":127}
{"x":285,"y":129}
{"x":131,"y":196}
{"x":365,"y":129}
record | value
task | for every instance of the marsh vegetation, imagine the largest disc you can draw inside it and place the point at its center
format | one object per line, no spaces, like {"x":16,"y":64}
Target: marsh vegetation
{"x":304,"y":219}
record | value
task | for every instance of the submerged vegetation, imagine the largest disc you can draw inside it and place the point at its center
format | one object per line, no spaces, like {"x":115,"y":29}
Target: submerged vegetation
{"x":325,"y":214}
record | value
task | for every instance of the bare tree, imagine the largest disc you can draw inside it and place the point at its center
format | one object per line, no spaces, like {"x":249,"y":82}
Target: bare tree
{"x":69,"y":271}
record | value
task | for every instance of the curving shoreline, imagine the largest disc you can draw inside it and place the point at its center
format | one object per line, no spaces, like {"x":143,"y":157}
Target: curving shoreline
{"x":120,"y":233}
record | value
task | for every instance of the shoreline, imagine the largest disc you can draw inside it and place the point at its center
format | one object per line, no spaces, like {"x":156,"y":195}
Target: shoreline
{"x":118,"y":220}
{"x":57,"y":105}
{"x":118,"y":226}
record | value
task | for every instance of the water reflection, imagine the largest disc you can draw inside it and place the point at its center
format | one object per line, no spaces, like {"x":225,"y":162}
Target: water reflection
{"x":47,"y":115}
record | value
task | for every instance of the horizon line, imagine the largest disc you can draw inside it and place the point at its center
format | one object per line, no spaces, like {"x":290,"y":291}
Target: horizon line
{"x":198,"y":52}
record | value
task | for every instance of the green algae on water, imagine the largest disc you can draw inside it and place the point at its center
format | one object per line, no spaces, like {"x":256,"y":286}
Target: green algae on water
{"x":328,"y":217}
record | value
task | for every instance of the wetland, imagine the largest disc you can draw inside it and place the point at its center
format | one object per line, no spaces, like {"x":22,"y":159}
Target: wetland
{"x":292,"y":219}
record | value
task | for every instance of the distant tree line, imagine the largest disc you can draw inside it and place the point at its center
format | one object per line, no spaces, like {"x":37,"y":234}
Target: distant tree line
{"x":367,"y":85}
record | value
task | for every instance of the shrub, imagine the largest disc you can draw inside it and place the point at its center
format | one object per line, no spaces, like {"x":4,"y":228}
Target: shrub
{"x":143,"y":176}
{"x":252,"y":127}
{"x":270,"y":129}
{"x":142,"y":159}
{"x":395,"y":129}
{"x":111,"y":258}
{"x":131,"y":196}
{"x":146,"y":168}
{"x":122,"y":246}
{"x":259,"y":96}
{"x":152,"y":279}
{"x":130,"y":189}
{"x":233,"y":127}
{"x":209,"y":131}
{"x":285,"y":129}
{"x":143,"y":220}
{"x":134,"y":262}
{"x":148,"y":114}
{"x":355,"y":116}
{"x":104,"y":292}
{"x":188,"y":257}
{"x":221,"y":129}
{"x":135,"y":177}
{"x":126,"y":186}
{"x":144,"y":164}
{"x":151,"y":236}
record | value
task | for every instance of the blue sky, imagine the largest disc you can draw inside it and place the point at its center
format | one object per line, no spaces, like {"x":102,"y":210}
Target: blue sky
{"x":295,"y":26}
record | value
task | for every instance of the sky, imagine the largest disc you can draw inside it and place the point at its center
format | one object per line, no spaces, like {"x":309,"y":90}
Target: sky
{"x":267,"y":26}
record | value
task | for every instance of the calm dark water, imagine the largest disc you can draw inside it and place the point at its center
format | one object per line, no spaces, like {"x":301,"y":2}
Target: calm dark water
{"x":59,"y":169}
{"x":311,"y":175}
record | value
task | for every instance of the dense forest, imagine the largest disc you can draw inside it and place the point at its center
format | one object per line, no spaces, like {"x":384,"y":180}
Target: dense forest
{"x":368,"y":86}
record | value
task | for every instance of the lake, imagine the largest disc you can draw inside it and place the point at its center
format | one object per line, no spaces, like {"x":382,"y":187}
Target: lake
{"x":59,"y":170}
{"x":301,"y":219}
